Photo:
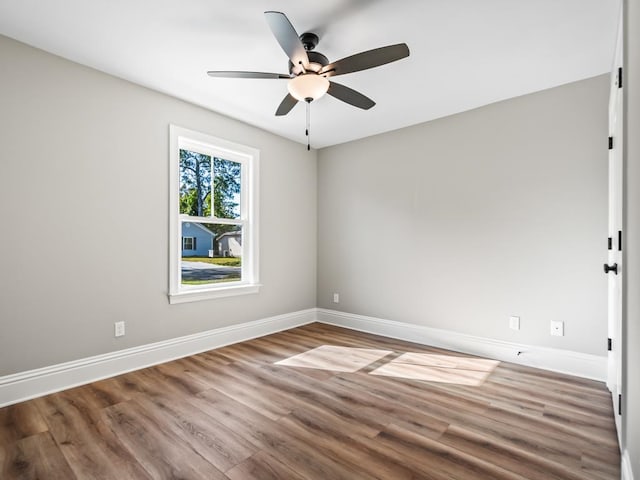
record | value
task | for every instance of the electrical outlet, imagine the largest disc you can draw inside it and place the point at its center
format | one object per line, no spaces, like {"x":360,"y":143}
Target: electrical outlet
{"x":557,"y":328}
{"x":514,"y":323}
{"x":336,"y":298}
{"x":119,"y":329}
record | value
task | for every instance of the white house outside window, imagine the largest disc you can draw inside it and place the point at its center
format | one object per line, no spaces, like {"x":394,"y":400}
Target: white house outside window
{"x":213,"y":216}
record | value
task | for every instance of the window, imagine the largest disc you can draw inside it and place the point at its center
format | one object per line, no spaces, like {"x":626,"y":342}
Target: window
{"x":213,"y":217}
{"x":188,"y":243}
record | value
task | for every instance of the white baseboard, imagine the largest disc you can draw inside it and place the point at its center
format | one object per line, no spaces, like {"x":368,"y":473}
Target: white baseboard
{"x":22,"y":386}
{"x":626,"y":472}
{"x":563,"y":361}
{"x":35,"y":383}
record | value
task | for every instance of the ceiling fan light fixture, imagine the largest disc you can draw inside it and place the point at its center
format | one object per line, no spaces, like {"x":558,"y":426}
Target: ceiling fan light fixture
{"x":309,"y":85}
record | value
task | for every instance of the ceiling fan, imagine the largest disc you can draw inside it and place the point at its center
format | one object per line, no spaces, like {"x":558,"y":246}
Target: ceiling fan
{"x":310,"y":71}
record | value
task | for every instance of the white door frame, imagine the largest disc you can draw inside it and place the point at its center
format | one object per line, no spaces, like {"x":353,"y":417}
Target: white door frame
{"x":614,"y":244}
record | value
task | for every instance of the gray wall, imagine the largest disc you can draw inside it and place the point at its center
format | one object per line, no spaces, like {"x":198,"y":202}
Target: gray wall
{"x":631,"y":326}
{"x":460,"y":222}
{"x":454,"y":224}
{"x":84,"y":208}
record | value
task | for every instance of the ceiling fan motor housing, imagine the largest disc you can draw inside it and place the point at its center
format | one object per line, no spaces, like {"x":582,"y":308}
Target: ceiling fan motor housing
{"x":316,"y":62}
{"x":316,"y":59}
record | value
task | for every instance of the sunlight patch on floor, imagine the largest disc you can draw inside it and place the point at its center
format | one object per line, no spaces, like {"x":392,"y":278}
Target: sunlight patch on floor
{"x":438,"y":368}
{"x":335,"y":358}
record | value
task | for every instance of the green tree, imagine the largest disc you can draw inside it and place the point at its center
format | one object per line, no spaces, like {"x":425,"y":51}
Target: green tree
{"x":226,"y":188}
{"x":195,"y":184}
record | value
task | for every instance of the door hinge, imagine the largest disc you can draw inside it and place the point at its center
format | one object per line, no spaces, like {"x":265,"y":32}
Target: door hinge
{"x":619,"y":404}
{"x":609,"y":243}
{"x":610,"y":143}
{"x":620,"y":240}
{"x":619,"y":77}
{"x":609,"y":344}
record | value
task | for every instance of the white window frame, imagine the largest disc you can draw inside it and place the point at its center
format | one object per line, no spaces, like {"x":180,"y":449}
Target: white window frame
{"x":192,"y":242}
{"x":248,"y":157}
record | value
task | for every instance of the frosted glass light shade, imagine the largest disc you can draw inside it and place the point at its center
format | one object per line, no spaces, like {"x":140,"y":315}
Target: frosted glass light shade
{"x":308,"y":85}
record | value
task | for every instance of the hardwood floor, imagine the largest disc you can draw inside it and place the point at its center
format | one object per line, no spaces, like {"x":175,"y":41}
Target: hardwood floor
{"x":236,"y":413}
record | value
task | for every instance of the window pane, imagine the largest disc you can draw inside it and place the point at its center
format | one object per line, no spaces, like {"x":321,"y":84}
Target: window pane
{"x":226,"y":188}
{"x":216,"y":254}
{"x":195,"y":184}
{"x":187,"y":243}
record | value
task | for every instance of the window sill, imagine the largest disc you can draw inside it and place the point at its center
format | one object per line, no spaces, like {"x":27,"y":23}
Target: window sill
{"x":196,"y":295}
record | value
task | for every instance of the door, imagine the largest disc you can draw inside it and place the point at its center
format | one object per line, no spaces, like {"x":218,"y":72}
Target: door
{"x":615,"y":240}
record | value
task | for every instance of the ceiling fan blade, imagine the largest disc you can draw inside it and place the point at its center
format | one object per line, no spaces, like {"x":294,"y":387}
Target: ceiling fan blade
{"x":287,"y":38}
{"x":286,"y":105}
{"x":350,"y":96}
{"x":369,"y":59}
{"x":222,"y":74}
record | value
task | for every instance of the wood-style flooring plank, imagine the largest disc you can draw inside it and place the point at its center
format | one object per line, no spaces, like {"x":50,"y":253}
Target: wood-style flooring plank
{"x":324,"y":433}
{"x":34,"y":457}
{"x":428,"y":454}
{"x":220,"y":446}
{"x":90,"y":447}
{"x":526,"y":463}
{"x":262,"y":466}
{"x":239,"y":413}
{"x":273,"y":437}
{"x":20,"y":421}
{"x":154,"y":446}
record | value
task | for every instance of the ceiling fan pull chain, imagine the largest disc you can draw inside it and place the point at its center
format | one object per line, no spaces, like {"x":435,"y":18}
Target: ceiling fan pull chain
{"x":308,"y":125}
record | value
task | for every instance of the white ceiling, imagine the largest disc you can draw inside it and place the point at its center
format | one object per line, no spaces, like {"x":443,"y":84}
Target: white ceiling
{"x":464,"y":53}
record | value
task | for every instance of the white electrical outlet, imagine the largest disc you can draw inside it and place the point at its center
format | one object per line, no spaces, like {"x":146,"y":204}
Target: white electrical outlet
{"x":119,"y":329}
{"x":557,"y":328}
{"x":514,"y":323}
{"x":336,"y":298}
